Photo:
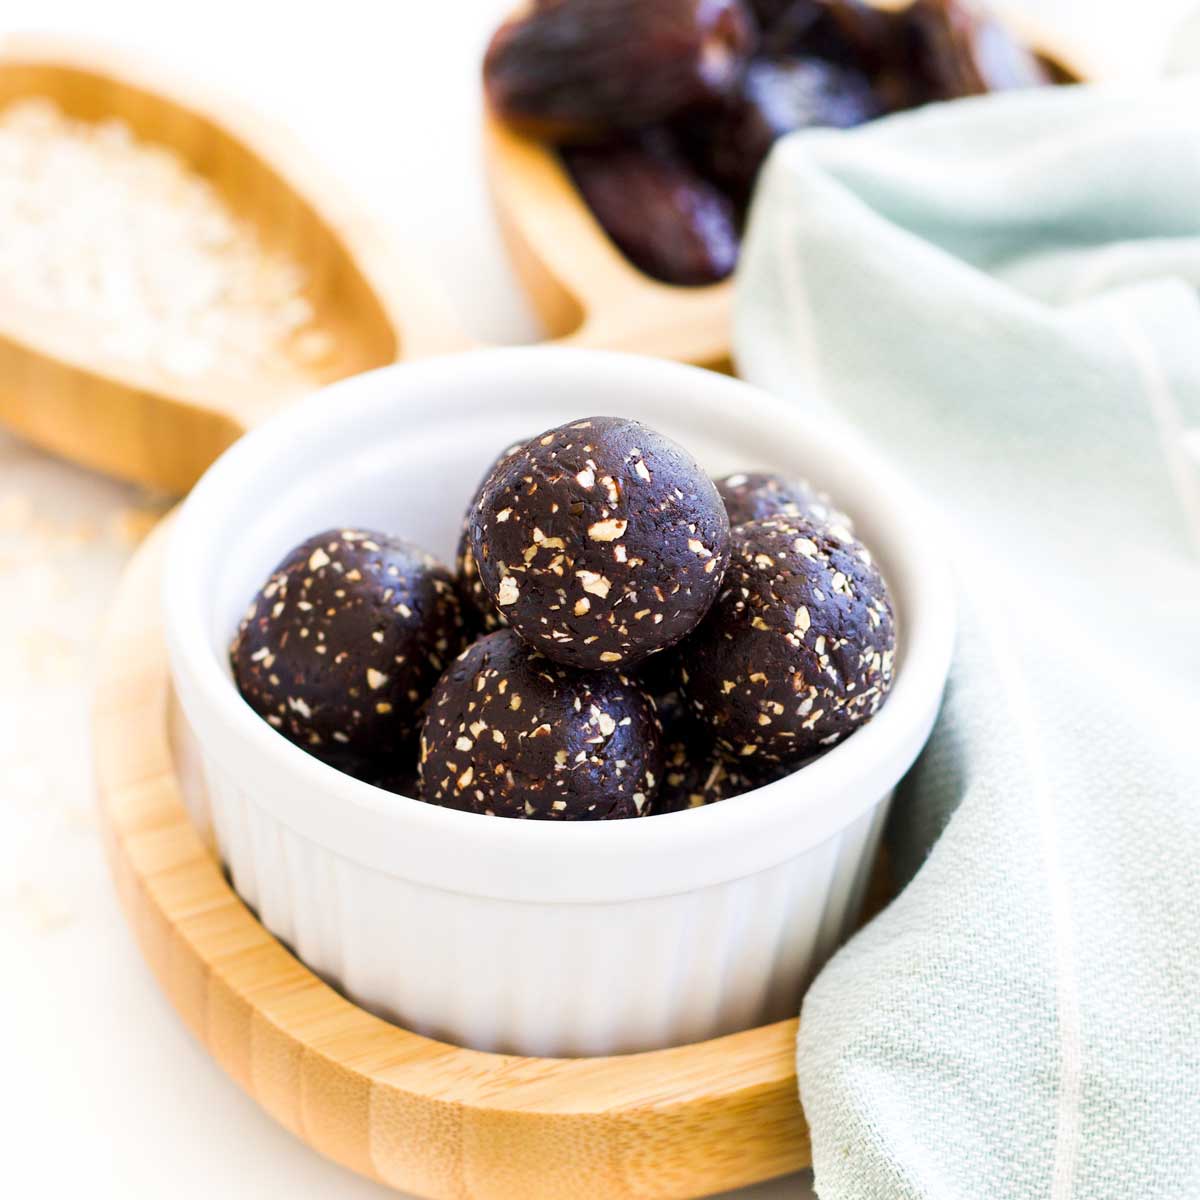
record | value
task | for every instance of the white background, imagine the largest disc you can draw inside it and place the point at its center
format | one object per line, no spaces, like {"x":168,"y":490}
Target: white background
{"x":109,"y":1095}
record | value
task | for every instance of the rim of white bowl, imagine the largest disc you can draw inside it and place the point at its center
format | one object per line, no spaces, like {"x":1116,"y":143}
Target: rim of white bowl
{"x":547,"y":861}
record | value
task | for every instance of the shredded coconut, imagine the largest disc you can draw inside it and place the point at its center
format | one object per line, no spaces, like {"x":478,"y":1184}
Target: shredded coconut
{"x":127,"y":239}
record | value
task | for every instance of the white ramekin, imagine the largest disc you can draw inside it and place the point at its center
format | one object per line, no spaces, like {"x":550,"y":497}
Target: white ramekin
{"x":527,"y":936}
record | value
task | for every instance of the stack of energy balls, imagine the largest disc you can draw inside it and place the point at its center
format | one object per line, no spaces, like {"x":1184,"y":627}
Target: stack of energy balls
{"x":645,"y":639}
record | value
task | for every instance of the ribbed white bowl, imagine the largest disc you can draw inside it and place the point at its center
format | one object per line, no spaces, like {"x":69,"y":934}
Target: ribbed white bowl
{"x":526,"y":936}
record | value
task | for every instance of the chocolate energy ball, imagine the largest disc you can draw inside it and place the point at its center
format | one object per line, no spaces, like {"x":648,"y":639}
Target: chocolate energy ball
{"x":758,"y":495}
{"x":601,"y":541}
{"x":343,"y":644}
{"x":510,"y":733}
{"x":393,"y":772}
{"x":694,"y":776}
{"x":479,"y":609}
{"x":798,"y":650}
{"x":694,"y":772}
{"x":659,"y":674}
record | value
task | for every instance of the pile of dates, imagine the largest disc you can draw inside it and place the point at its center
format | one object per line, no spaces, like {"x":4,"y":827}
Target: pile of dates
{"x":664,"y":110}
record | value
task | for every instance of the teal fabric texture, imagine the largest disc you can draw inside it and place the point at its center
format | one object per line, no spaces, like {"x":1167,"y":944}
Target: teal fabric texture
{"x":1001,"y":294}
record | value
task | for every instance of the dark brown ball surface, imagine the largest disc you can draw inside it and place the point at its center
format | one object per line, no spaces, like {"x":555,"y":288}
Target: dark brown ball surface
{"x":659,"y":674}
{"x":692,"y":779}
{"x":759,"y":495}
{"x":510,"y":733}
{"x":393,"y":772}
{"x":343,"y":644}
{"x":479,"y":609}
{"x":696,"y":773}
{"x":601,"y":541}
{"x":798,"y":650}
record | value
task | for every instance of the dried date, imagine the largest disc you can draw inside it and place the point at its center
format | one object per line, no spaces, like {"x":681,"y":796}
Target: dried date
{"x":578,"y":70}
{"x":663,"y":215}
{"x":777,"y":97}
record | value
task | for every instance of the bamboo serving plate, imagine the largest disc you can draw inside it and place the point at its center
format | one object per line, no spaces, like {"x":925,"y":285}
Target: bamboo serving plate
{"x":422,"y":1116}
{"x":583,"y":287}
{"x":140,"y":423}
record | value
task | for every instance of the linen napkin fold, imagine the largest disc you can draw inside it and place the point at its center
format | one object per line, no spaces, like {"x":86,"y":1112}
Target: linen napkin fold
{"x":1001,"y":294}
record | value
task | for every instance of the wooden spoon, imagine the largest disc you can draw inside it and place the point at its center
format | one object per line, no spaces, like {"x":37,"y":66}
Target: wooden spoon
{"x":58,"y":387}
{"x":584,"y":289}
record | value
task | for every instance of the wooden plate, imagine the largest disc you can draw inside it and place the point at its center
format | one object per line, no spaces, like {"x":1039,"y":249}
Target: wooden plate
{"x":422,"y":1116}
{"x":139,"y":423}
{"x":584,"y":289}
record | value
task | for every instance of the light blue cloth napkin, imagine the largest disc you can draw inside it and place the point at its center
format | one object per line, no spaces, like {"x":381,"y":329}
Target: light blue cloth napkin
{"x":1002,"y":294}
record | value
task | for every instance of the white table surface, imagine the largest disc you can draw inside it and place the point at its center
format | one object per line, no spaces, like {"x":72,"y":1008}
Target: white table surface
{"x":112,"y":1096}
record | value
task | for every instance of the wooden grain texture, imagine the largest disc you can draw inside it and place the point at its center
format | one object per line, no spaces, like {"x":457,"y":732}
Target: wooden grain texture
{"x":585,"y":290}
{"x":139,"y":423}
{"x":425,"y":1117}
